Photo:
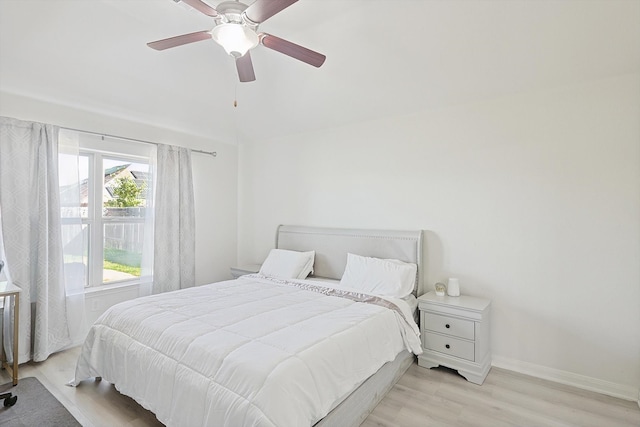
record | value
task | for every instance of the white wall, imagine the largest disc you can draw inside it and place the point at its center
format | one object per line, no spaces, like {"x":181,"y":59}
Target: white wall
{"x":531,"y":200}
{"x":214,"y":180}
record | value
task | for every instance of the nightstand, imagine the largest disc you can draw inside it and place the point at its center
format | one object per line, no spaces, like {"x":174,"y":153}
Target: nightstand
{"x":8,"y":290}
{"x":455,"y":333}
{"x":244,"y":269}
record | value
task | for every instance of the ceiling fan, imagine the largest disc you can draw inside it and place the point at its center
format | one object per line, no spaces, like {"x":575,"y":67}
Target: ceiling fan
{"x":236,"y":30}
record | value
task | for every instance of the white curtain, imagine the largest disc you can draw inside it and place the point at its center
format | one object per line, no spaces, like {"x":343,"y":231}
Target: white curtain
{"x":31,"y":230}
{"x":146,"y":265}
{"x":174,"y":248}
{"x":73,"y":235}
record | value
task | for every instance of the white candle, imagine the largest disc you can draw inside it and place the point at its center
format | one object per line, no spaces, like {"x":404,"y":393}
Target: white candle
{"x":453,"y":287}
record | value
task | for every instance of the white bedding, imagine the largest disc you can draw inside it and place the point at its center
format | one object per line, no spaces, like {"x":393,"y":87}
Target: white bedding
{"x":251,"y":352}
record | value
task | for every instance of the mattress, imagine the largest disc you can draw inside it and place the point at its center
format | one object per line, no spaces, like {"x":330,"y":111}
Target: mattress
{"x":251,"y":351}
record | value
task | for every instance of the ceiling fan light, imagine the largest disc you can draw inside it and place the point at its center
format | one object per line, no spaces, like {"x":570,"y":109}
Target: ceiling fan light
{"x":236,"y":39}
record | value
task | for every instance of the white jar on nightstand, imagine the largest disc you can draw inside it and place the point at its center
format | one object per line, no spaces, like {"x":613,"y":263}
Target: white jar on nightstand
{"x":455,"y":333}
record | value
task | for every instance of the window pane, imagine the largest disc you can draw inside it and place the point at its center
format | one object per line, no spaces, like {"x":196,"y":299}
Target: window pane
{"x":122,"y":251}
{"x":125,"y":186}
{"x":75,"y":241}
{"x":74,"y":185}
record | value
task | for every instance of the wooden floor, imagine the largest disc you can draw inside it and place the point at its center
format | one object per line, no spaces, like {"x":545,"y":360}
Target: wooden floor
{"x":422,"y":397}
{"x":440,"y":397}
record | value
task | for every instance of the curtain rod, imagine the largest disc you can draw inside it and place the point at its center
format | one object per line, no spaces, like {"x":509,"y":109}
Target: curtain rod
{"x":211,"y":153}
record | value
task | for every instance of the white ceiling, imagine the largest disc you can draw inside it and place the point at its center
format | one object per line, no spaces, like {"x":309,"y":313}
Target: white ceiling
{"x":383,"y":58}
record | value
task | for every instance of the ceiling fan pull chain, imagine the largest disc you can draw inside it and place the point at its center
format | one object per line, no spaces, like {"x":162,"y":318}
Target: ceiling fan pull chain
{"x":235,"y":96}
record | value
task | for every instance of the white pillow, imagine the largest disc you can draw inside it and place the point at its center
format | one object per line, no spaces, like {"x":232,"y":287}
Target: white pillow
{"x":285,"y":264}
{"x":385,"y":277}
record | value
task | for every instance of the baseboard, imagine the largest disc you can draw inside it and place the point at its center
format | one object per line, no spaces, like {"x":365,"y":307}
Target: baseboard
{"x":621,"y":391}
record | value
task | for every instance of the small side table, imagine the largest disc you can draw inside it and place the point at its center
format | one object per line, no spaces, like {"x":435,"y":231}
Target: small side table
{"x":244,"y":269}
{"x":456,"y":334}
{"x":8,"y":290}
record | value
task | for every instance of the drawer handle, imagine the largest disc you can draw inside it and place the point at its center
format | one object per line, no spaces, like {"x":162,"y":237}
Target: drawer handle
{"x":447,"y":346}
{"x":447,"y":326}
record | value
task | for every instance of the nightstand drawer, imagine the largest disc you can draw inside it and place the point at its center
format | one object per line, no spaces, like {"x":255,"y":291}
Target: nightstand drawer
{"x":448,"y":345}
{"x":449,"y":325}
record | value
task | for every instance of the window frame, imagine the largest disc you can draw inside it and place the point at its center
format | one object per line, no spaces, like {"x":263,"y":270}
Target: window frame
{"x":95,"y":221}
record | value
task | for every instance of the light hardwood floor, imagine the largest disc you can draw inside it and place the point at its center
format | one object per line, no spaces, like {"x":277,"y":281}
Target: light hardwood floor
{"x":422,"y":397}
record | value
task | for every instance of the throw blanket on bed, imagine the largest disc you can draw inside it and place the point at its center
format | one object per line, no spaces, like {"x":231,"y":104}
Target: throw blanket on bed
{"x":247,"y":352}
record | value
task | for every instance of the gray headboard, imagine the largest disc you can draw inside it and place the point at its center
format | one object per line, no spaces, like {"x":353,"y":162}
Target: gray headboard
{"x":333,"y":244}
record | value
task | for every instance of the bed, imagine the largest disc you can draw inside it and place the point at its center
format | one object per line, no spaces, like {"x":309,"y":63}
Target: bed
{"x":266,"y":351}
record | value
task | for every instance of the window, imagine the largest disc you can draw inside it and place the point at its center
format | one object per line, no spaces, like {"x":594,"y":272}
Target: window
{"x":103,"y":213}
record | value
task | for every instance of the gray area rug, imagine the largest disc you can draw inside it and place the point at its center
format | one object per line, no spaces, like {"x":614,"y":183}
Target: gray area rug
{"x":35,"y":407}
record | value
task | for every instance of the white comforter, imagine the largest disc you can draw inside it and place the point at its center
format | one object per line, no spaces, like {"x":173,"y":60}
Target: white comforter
{"x":245,"y":352}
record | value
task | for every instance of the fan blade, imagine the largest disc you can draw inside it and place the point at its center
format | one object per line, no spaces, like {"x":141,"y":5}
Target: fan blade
{"x":245,"y":68}
{"x":293,"y":50}
{"x":261,"y":10}
{"x":200,"y":6}
{"x":179,"y":40}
